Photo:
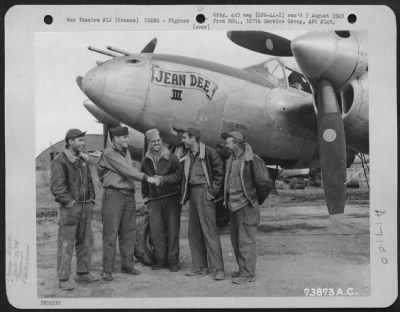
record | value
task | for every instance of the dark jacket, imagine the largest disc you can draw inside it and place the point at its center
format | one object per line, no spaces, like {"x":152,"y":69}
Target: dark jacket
{"x":254,"y":177}
{"x":213,"y":167}
{"x":71,"y":179}
{"x":169,"y":168}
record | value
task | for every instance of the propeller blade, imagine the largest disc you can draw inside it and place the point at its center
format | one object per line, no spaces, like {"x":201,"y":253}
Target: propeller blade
{"x":273,"y":173}
{"x":79,"y":82}
{"x":262,"y":42}
{"x":105,"y":135}
{"x":101,"y":115}
{"x":150,"y":47}
{"x":332,"y":147}
{"x":145,"y":146}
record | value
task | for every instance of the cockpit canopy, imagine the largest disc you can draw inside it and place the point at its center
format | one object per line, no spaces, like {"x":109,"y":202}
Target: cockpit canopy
{"x":278,"y":73}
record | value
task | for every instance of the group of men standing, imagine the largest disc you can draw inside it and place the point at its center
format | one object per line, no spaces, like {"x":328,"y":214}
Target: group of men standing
{"x":168,"y":179}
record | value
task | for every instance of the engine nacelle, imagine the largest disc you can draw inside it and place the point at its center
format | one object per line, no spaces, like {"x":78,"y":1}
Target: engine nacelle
{"x":354,"y":103}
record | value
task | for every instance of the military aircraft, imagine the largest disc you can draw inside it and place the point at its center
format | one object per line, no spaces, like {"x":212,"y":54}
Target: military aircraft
{"x":313,"y":118}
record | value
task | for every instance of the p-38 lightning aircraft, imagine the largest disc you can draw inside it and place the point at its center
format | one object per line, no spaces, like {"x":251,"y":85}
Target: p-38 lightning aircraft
{"x":313,"y":118}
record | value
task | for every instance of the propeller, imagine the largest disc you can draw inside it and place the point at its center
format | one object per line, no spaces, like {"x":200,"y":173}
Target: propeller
{"x":262,"y":42}
{"x":332,"y":147}
{"x":145,"y":146}
{"x":315,"y":53}
{"x":105,"y":134}
{"x":150,"y":47}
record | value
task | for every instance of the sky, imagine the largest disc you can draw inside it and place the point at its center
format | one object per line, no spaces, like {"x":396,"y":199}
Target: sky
{"x":63,"y":56}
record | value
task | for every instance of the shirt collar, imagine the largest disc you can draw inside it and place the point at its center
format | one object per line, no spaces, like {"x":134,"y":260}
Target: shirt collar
{"x":196,"y":152}
{"x":123,"y":153}
{"x":248,"y":153}
{"x":239,"y":156}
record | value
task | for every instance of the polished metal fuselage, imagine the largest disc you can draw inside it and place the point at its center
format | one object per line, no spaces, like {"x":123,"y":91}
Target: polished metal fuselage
{"x":174,"y":92}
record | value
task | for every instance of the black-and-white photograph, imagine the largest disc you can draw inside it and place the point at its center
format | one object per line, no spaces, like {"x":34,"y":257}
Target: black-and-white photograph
{"x":184,"y":164}
{"x":214,"y":164}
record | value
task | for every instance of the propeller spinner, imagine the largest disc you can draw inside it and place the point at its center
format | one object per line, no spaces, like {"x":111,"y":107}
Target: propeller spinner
{"x":327,"y":67}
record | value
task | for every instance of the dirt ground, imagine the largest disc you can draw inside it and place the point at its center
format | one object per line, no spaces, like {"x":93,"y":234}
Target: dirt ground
{"x":298,"y":246}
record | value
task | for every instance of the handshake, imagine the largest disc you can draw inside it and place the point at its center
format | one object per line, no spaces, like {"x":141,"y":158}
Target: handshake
{"x":156,"y":180}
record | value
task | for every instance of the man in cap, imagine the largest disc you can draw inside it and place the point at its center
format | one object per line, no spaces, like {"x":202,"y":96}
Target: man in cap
{"x":117,"y":174}
{"x":202,"y":183}
{"x":72,"y":186}
{"x":243,"y":175}
{"x":163,"y":201}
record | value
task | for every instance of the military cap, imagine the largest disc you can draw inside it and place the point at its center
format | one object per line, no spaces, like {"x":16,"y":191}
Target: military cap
{"x":152,"y":133}
{"x":73,"y":134}
{"x":119,"y":131}
{"x":234,"y":134}
{"x":193,"y":132}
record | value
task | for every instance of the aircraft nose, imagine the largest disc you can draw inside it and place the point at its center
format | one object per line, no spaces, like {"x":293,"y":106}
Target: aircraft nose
{"x":119,"y":87}
{"x":329,"y":55}
{"x":92,"y":84}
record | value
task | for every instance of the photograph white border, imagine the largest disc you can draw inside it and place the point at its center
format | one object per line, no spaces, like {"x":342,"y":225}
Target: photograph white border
{"x":21,"y":24}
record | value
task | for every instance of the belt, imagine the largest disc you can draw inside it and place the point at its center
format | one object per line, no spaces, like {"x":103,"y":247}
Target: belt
{"x":163,"y":196}
{"x":197,"y":185}
{"x":84,"y":202}
{"x":123,"y":191}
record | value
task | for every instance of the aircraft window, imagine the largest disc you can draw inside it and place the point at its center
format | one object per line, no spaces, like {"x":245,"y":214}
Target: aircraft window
{"x":343,"y":33}
{"x":273,"y":71}
{"x":297,"y":80}
{"x":133,"y":61}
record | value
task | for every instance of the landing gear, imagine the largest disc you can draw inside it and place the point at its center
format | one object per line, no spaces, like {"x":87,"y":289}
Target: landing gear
{"x":144,"y":250}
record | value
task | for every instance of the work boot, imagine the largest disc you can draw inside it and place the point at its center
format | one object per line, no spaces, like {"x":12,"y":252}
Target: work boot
{"x":243,"y":280}
{"x":195,"y":272}
{"x":131,"y":271}
{"x":66,"y":285}
{"x":156,"y":267}
{"x":235,"y":274}
{"x":86,"y":278}
{"x":174,"y":267}
{"x":219,"y":275}
{"x":107,"y":276}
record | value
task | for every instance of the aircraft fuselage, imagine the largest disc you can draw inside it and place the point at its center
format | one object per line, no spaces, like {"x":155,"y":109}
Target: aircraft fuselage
{"x":174,"y":92}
